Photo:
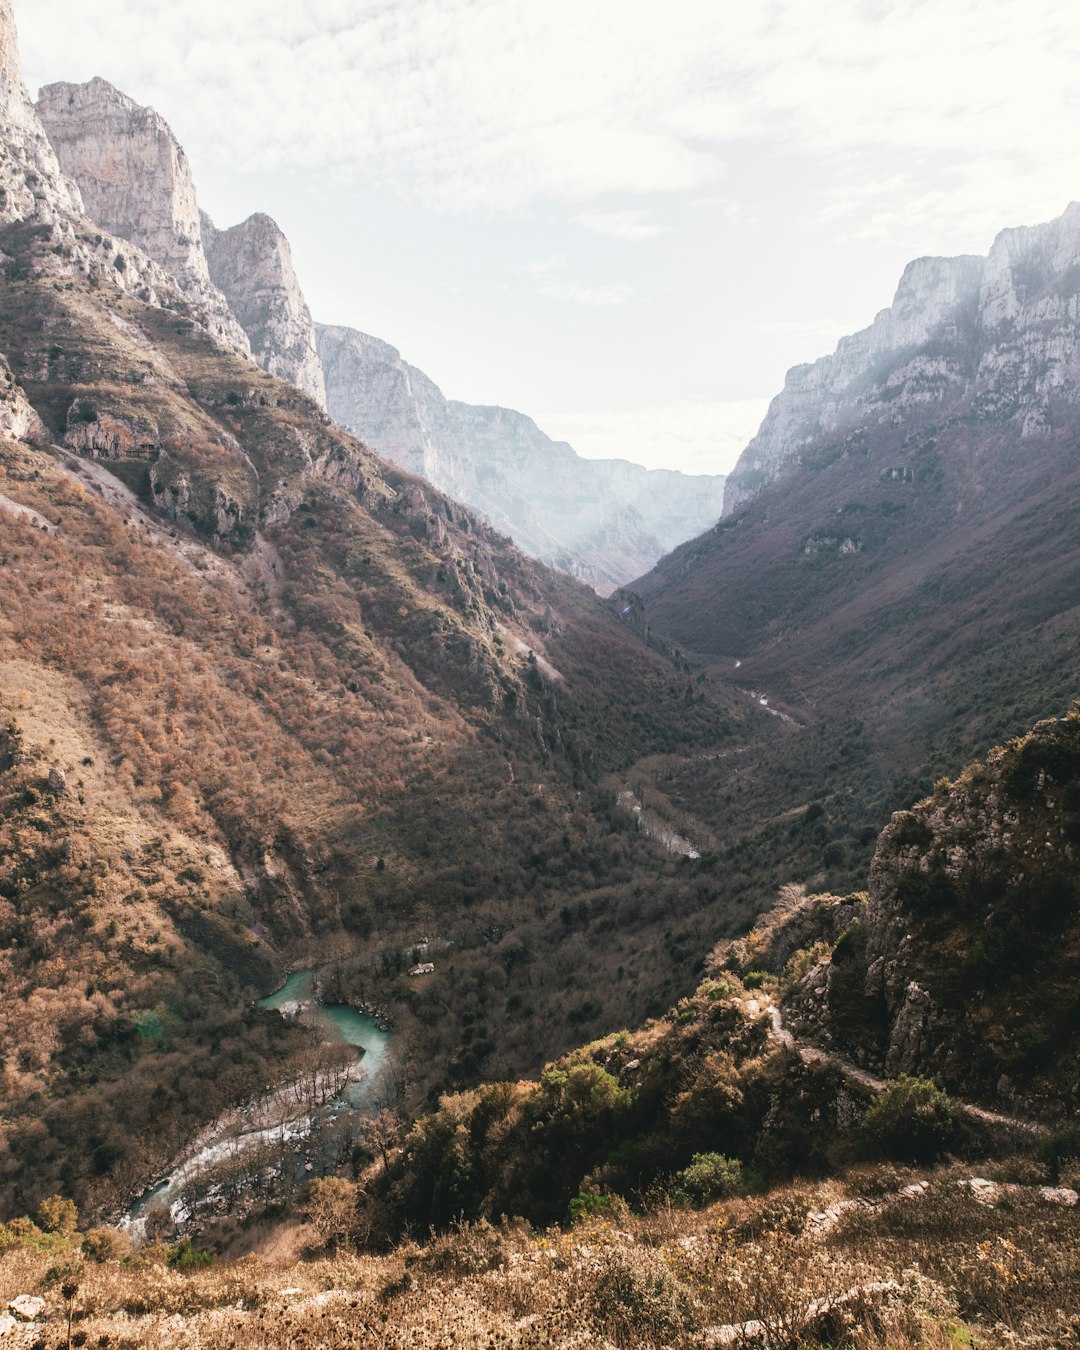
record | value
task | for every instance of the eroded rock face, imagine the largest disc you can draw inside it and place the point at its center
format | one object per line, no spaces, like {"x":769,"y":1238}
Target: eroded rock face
{"x":18,"y":420}
{"x":606,"y":521}
{"x":997,"y":338}
{"x":32,"y":186}
{"x":136,"y":183}
{"x":251,"y":264}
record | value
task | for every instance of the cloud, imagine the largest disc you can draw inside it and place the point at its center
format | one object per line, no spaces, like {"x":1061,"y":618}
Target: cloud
{"x":631,"y":226}
{"x":490,"y":106}
{"x":542,"y":266}
{"x":694,"y":435}
{"x":575,"y":293}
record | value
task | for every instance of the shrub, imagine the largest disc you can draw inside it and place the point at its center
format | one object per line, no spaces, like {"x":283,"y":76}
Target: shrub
{"x":331,"y":1208}
{"x":710,"y":1176}
{"x":589,"y":1204}
{"x":911,"y":1120}
{"x":1060,"y":1147}
{"x":105,"y":1244}
{"x":57,"y":1215}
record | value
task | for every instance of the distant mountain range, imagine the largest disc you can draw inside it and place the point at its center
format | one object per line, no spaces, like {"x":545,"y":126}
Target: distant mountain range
{"x":604,"y":521}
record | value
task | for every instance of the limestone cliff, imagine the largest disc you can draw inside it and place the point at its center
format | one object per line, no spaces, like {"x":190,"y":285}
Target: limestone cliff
{"x":996,"y":339}
{"x":136,"y":182}
{"x":606,"y":521}
{"x":251,"y":264}
{"x":31,"y":183}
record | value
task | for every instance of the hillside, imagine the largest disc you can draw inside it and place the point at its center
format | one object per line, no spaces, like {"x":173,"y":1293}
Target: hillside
{"x":264,"y":699}
{"x":601,"y":520}
{"x":329,"y":700}
{"x":899,"y":574}
{"x":723,"y":1175}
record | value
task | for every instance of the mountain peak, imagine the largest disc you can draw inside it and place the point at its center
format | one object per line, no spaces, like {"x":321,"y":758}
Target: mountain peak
{"x":994,"y":337}
{"x":136,"y":183}
{"x":31,"y":182}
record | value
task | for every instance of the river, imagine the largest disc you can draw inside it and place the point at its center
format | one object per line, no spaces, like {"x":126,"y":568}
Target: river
{"x":296,"y":997}
{"x":248,"y":1129}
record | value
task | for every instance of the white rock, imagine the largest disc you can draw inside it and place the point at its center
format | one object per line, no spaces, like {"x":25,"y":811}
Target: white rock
{"x":27,"y":1307}
{"x":1000,"y":333}
{"x":33,"y":185}
{"x":1059,"y":1195}
{"x":252,"y":266}
{"x":136,"y":183}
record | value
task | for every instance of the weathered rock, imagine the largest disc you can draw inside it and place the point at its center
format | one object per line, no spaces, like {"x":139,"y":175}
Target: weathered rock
{"x":27,"y":1307}
{"x":606,"y":521}
{"x":102,"y":435}
{"x":996,"y":338}
{"x":136,"y":182}
{"x":18,"y":420}
{"x":32,"y":185}
{"x":57,"y":781}
{"x":251,"y":264}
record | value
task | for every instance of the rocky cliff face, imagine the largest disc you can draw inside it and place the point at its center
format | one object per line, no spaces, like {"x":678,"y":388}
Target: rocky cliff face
{"x":251,"y":264}
{"x":605,"y":521}
{"x":136,"y":182}
{"x":993,"y":338}
{"x":959,"y":964}
{"x":31,"y":183}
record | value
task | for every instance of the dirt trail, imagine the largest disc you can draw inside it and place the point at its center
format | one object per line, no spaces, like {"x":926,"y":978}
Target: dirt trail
{"x":812,"y":1054}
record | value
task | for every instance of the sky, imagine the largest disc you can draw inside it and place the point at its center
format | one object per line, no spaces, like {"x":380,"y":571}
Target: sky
{"x":626,"y":218}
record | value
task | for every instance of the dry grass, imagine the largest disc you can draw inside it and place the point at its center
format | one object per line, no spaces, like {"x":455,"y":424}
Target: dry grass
{"x":938,"y":1271}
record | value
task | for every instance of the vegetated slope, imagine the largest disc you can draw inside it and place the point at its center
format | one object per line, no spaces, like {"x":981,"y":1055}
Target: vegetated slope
{"x":322,"y":704}
{"x":960,"y":966}
{"x":687,"y":1118}
{"x":961,"y":962}
{"x":905,"y":585}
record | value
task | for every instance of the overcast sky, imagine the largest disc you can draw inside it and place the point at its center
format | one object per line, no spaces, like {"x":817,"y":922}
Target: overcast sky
{"x":626,"y":218}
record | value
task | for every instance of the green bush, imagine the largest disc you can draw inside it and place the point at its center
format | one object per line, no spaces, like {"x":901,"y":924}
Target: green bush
{"x":589,"y":1204}
{"x":186,"y":1256}
{"x":1061,"y":1147}
{"x":710,"y":1176}
{"x":911,"y":1121}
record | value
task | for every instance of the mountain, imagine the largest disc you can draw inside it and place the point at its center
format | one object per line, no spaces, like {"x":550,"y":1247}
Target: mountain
{"x":266,"y":699}
{"x":251,"y":264}
{"x":601,"y":520}
{"x":994,"y":339}
{"x":901,"y":583}
{"x":33,"y":186}
{"x":135,"y":182}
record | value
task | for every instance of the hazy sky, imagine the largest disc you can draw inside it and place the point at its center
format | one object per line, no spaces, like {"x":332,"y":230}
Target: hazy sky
{"x":626,"y":218}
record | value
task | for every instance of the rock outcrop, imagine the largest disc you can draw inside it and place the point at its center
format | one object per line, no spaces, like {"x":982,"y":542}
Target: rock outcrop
{"x":996,"y":339}
{"x":958,"y":965}
{"x":32,"y":186}
{"x":605,"y":521}
{"x":136,"y":183}
{"x":18,"y":420}
{"x":251,"y":264}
